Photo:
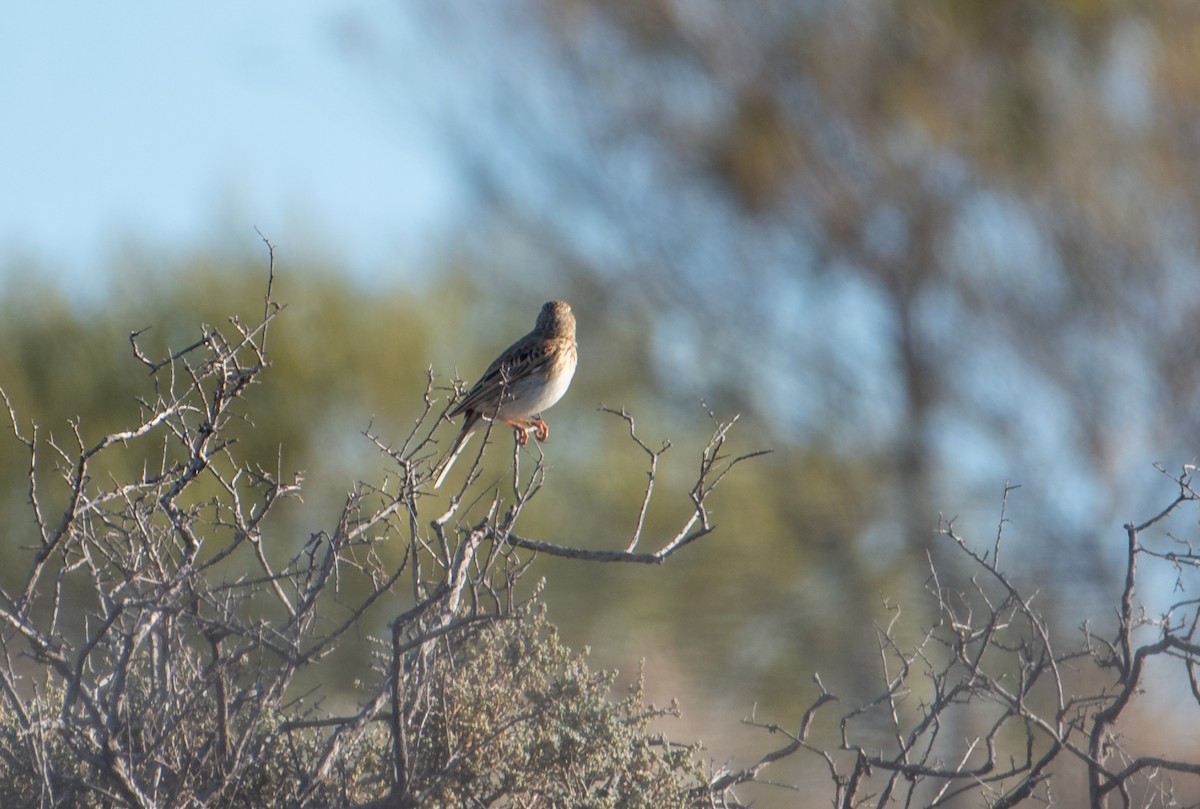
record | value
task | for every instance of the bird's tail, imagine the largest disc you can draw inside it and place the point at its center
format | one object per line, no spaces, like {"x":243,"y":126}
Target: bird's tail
{"x":459,"y":443}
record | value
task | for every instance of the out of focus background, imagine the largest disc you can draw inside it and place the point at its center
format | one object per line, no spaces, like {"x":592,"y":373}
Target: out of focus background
{"x":924,"y":249}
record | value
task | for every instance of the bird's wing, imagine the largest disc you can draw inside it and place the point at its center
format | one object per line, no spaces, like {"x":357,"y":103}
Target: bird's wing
{"x":529,"y":356}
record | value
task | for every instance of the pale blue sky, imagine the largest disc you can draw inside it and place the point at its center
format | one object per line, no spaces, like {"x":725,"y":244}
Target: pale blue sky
{"x":174,"y":125}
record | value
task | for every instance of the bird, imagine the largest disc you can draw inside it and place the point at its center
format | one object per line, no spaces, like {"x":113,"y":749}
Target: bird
{"x":528,"y":377}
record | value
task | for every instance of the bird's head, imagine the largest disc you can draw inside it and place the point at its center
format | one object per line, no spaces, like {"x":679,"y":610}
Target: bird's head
{"x":556,"y":320}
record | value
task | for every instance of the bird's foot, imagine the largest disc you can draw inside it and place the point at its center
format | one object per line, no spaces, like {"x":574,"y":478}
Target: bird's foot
{"x":522,"y":428}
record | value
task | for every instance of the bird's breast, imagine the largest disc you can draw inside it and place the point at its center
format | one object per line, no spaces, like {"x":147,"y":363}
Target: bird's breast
{"x":538,"y":392}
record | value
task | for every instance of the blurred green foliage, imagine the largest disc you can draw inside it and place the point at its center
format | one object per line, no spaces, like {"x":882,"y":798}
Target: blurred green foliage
{"x":344,"y":358}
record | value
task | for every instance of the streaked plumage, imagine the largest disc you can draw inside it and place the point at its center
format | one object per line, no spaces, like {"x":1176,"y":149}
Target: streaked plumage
{"x":527,"y":378}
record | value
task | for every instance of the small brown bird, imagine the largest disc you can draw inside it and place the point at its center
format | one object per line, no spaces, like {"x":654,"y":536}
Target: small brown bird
{"x":527,"y":378}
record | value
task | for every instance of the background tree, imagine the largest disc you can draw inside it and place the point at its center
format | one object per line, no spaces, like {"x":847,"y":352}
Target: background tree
{"x":932,"y":215}
{"x":956,"y":237}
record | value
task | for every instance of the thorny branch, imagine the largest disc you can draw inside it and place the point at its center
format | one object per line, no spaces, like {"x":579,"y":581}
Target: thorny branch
{"x":188,"y":673}
{"x":191,"y":664}
{"x":714,"y":466}
{"x":989,"y":661}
